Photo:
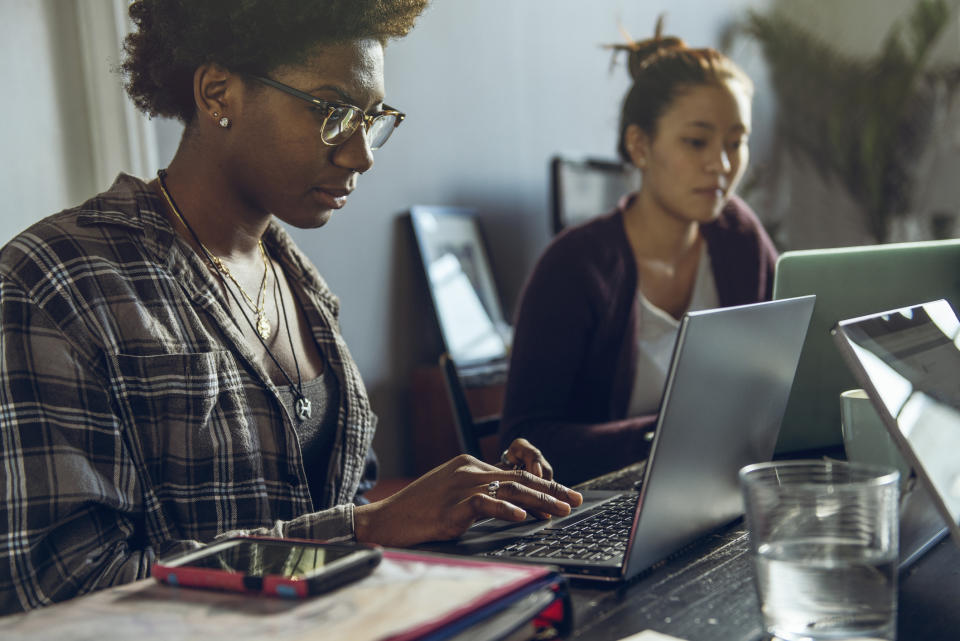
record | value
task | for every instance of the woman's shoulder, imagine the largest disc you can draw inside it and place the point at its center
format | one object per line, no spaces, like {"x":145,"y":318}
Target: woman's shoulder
{"x":106,"y":227}
{"x":600,"y":240}
{"x":592,"y":259}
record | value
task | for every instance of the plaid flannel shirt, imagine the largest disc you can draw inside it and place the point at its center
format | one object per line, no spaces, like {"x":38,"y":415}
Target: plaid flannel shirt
{"x":134,"y":421}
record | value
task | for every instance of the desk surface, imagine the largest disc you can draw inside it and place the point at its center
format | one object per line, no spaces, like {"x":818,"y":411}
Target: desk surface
{"x":706,"y":593}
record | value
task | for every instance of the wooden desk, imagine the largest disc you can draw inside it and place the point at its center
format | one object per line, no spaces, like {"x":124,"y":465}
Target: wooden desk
{"x":707,"y":593}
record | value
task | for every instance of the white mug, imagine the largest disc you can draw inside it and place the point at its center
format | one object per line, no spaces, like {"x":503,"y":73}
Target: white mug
{"x":865,"y":437}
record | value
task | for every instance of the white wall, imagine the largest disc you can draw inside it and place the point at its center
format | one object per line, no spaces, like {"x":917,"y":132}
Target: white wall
{"x":66,"y":126}
{"x":492,"y":88}
{"x":43,"y":130}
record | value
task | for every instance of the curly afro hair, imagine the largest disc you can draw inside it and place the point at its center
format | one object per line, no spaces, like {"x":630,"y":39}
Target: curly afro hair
{"x":174,"y":37}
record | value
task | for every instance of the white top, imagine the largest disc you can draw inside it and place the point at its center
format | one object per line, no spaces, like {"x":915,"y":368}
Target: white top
{"x":656,"y":334}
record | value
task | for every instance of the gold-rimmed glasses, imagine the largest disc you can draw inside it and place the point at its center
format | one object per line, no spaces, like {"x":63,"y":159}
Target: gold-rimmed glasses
{"x":342,"y":120}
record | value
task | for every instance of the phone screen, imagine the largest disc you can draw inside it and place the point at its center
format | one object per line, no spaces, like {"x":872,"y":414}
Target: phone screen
{"x":263,"y":558}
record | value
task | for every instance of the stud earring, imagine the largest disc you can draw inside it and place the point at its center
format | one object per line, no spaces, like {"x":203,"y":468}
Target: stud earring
{"x":223,"y":122}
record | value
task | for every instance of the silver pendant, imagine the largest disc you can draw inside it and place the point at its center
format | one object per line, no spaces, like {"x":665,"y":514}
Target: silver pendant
{"x":303,"y":408}
{"x":263,"y":326}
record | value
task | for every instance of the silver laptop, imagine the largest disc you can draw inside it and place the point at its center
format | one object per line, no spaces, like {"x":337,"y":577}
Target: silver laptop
{"x":908,"y":361}
{"x":726,"y":389}
{"x":850,"y":282}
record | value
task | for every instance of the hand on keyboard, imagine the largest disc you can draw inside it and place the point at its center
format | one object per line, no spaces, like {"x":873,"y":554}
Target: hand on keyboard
{"x":443,"y":503}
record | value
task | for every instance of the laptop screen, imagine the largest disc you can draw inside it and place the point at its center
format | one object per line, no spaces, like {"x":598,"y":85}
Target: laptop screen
{"x":910,"y":358}
{"x":847,"y":284}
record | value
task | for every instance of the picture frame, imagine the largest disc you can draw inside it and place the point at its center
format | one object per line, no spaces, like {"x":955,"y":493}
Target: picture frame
{"x":461,"y":284}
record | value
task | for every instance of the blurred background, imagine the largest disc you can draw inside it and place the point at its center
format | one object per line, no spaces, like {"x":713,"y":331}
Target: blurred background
{"x":856,"y":138}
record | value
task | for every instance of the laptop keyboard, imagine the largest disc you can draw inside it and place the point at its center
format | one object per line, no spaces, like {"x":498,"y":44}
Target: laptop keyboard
{"x":628,"y":478}
{"x":599,"y":535}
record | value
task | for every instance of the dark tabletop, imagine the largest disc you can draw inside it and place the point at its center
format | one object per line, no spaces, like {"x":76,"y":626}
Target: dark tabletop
{"x":706,"y":592}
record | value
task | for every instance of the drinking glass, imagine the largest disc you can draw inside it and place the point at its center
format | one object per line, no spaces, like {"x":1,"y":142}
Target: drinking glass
{"x":824,"y":535}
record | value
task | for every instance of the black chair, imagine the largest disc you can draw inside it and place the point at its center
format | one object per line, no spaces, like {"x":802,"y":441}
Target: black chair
{"x":583,"y":187}
{"x":469,"y":429}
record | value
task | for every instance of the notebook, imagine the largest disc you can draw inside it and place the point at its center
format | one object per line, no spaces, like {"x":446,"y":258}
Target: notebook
{"x":908,"y":361}
{"x":850,"y":282}
{"x":726,"y":389}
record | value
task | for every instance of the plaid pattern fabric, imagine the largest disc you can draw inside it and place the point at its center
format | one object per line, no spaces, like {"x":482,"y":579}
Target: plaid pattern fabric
{"x":134,"y":421}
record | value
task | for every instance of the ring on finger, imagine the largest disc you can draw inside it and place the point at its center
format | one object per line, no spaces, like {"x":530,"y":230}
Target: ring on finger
{"x":492,"y":488}
{"x":509,"y":464}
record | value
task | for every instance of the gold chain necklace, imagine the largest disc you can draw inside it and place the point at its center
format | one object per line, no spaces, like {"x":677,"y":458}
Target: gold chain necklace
{"x":258,"y":307}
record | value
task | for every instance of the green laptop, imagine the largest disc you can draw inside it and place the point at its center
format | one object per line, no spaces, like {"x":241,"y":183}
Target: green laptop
{"x":851,"y":282}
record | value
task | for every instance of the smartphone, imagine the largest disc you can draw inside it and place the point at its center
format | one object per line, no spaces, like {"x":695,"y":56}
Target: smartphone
{"x":280,"y":567}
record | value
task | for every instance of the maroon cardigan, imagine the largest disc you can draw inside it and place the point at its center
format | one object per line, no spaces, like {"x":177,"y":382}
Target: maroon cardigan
{"x":573,"y":360}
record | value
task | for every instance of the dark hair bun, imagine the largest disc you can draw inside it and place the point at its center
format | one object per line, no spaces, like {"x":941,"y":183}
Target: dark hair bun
{"x":640,"y":53}
{"x":643,"y":52}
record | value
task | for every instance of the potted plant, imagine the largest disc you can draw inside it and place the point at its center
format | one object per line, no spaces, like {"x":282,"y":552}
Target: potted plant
{"x":863,"y":122}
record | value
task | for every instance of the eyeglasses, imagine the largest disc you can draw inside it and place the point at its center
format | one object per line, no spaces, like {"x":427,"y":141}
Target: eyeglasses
{"x":342,"y":120}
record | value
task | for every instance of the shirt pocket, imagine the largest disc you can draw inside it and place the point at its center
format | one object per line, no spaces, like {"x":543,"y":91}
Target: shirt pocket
{"x":190,"y":416}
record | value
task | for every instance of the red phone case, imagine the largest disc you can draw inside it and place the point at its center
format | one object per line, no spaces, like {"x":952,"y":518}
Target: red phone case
{"x":275,"y":585}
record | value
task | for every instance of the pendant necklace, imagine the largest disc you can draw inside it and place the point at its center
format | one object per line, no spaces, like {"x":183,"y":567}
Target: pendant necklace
{"x":262,"y":329}
{"x":303,"y":406}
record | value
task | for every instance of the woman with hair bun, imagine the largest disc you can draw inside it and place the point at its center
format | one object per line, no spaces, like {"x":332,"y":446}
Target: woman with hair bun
{"x":599,"y":314}
{"x":171,"y":364}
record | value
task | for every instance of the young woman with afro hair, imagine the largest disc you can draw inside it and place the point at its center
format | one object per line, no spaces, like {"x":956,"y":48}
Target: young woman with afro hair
{"x":172,"y":366}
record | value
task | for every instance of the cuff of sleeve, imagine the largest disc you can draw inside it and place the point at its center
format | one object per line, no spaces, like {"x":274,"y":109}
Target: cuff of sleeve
{"x":334,"y":524}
